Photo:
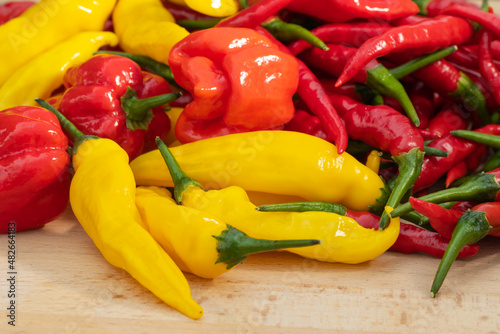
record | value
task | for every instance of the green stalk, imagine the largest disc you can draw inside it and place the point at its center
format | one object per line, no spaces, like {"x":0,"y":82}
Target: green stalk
{"x":180,"y":179}
{"x":471,"y":227}
{"x":243,"y":4}
{"x":381,"y":79}
{"x":285,"y":31}
{"x":493,"y":163}
{"x":75,"y":134}
{"x":481,"y":187}
{"x":409,"y":167}
{"x":434,"y":152}
{"x":199,"y":24}
{"x":138,"y":111}
{"x":468,"y":92}
{"x":304,"y":206}
{"x":234,"y":246}
{"x":478,"y":137}
{"x":149,"y":64}
{"x":422,"y":5}
{"x":417,"y":63}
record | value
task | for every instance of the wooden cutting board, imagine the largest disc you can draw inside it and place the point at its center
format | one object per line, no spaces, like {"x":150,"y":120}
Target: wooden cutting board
{"x":64,"y":285}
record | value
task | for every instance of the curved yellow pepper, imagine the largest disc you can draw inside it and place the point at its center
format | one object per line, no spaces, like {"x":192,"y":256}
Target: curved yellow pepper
{"x":342,"y":238}
{"x":199,"y":242}
{"x":146,"y":27}
{"x":216,"y":8}
{"x":279,"y":162}
{"x":39,"y":77}
{"x":102,"y":197}
{"x":44,"y":25}
{"x":373,"y":160}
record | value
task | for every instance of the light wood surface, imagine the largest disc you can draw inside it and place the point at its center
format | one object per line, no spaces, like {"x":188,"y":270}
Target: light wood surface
{"x":65,"y":286}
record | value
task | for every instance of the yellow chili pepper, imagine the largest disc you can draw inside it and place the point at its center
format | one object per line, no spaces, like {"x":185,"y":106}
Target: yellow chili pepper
{"x":146,"y":27}
{"x":216,"y":8}
{"x":42,"y":75}
{"x":44,"y":25}
{"x":342,"y":238}
{"x":373,"y":160}
{"x":102,"y":197}
{"x":279,"y":162}
{"x":199,"y":242}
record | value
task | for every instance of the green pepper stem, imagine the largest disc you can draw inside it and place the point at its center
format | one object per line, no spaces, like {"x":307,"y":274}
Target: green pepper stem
{"x":75,"y":134}
{"x":381,"y":79}
{"x":199,"y":24}
{"x":180,"y":179}
{"x":149,"y":64}
{"x":304,"y":206}
{"x":471,"y":227}
{"x":422,"y":5}
{"x":478,"y":137}
{"x":243,"y":4}
{"x":402,"y":71}
{"x":234,"y":246}
{"x":435,"y":152}
{"x":409,"y":167}
{"x":468,"y":92}
{"x":285,"y":31}
{"x":481,"y":187}
{"x":138,"y":111}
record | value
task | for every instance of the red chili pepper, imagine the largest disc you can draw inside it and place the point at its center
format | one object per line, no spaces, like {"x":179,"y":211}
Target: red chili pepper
{"x":422,"y":98}
{"x":451,"y":117}
{"x":347,"y":10}
{"x":434,"y":167}
{"x":35,"y":177}
{"x":379,"y":126}
{"x":464,"y":167}
{"x":476,"y":223}
{"x":237,"y":74}
{"x":420,"y":38}
{"x":254,"y":15}
{"x":489,"y":21}
{"x":487,"y":66}
{"x":434,"y":7}
{"x":102,"y":100}
{"x":412,"y":238}
{"x":304,"y":122}
{"x":315,"y":97}
{"x":352,"y":33}
{"x":13,"y":9}
{"x":441,"y":219}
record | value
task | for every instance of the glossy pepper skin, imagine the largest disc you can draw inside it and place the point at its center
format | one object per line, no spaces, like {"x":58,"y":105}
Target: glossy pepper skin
{"x":255,"y":14}
{"x":347,"y":10}
{"x":475,"y":224}
{"x":10,"y":10}
{"x":487,"y":66}
{"x":218,"y":9}
{"x":282,"y":162}
{"x":102,"y":197}
{"x":97,"y":101}
{"x":39,"y":77}
{"x":342,"y":238}
{"x":235,"y":74}
{"x":199,"y":242}
{"x":150,"y":20}
{"x":421,"y":38}
{"x":64,"y":19}
{"x":34,"y":165}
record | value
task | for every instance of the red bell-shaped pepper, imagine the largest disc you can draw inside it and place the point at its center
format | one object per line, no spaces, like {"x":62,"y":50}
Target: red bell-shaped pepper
{"x":110,"y":97}
{"x":34,"y":168}
{"x":238,"y":75}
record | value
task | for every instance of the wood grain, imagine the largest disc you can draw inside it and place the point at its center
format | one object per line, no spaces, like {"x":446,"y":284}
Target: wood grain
{"x":65,"y":286}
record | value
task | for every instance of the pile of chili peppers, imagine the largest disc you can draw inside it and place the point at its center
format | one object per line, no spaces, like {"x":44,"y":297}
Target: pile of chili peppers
{"x":268,"y":111}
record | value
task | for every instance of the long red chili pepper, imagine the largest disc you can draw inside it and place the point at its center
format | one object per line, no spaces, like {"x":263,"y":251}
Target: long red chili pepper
{"x":441,"y":219}
{"x":315,"y":97}
{"x":476,"y":223}
{"x":489,"y":21}
{"x":469,"y":164}
{"x":487,"y":66}
{"x":254,"y":15}
{"x":451,"y":117}
{"x":421,"y":38}
{"x":351,"y":33}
